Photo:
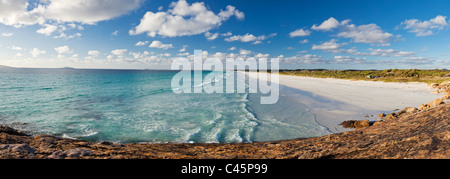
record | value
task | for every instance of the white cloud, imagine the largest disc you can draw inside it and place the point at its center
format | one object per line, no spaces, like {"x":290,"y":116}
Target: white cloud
{"x":36,"y":52}
{"x":334,"y":47}
{"x":119,"y":52}
{"x":327,"y":25}
{"x":389,"y":53}
{"x":115,"y":33}
{"x":140,"y":43}
{"x":245,"y":52}
{"x":74,"y":26}
{"x":300,"y":33}
{"x":6,"y":34}
{"x":257,"y":42}
{"x":86,"y":12}
{"x":51,"y":15}
{"x":348,"y":59}
{"x":211,"y":36}
{"x":417,"y":60}
{"x":183,"y":49}
{"x":16,"y":48}
{"x":304,"y":41}
{"x":226,"y":34}
{"x":63,"y":49}
{"x":94,"y":53}
{"x":260,"y":55}
{"x":232,"y":48}
{"x":159,"y":44}
{"x":425,"y":28}
{"x":305,"y":59}
{"x":14,"y":13}
{"x":47,"y":30}
{"x":330,"y":45}
{"x":65,"y":36}
{"x":249,"y":37}
{"x":370,"y":33}
{"x":183,"y":19}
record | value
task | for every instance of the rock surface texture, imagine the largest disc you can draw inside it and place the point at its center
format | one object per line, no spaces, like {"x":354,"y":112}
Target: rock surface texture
{"x":425,"y":134}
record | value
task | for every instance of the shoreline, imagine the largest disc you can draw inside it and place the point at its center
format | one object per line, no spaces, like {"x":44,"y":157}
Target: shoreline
{"x":419,"y":134}
{"x":337,"y":100}
{"x":422,"y":135}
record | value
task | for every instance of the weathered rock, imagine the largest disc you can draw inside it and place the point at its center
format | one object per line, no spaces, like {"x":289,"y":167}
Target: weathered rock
{"x":422,"y":135}
{"x":381,"y":115}
{"x":446,"y":96}
{"x":14,"y":150}
{"x":105,"y":143}
{"x":72,"y":153}
{"x":362,"y":124}
{"x":435,"y":103}
{"x":356,"y":124}
{"x":377,"y":122}
{"x":9,"y":130}
{"x":410,"y":110}
{"x":391,"y":116}
{"x":423,"y":107}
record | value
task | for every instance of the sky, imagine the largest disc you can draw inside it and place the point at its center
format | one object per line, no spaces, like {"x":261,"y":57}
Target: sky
{"x":150,"y":34}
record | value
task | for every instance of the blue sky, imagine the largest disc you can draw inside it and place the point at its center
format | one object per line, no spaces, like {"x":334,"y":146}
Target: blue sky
{"x":138,"y":34}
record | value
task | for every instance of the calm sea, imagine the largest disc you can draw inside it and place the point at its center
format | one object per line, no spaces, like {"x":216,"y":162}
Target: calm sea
{"x":137,"y":106}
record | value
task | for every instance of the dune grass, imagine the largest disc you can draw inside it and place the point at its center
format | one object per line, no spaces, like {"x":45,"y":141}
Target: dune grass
{"x":390,"y":75}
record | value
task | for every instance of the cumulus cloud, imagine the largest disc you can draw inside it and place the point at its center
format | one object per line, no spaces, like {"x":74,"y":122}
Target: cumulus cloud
{"x":119,"y":52}
{"x":183,"y":19}
{"x":86,"y":12}
{"x":211,"y":36}
{"x":330,"y":45}
{"x":15,"y":13}
{"x":140,"y":43}
{"x":300,"y":33}
{"x":159,"y":44}
{"x":329,"y":24}
{"x":52,"y":14}
{"x":370,"y":33}
{"x":63,"y":49}
{"x":35,"y":52}
{"x":47,"y":30}
{"x":245,"y":52}
{"x":425,"y":28}
{"x":93,"y":53}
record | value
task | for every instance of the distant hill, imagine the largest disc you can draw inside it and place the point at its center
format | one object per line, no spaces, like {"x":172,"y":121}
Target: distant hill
{"x":3,"y":66}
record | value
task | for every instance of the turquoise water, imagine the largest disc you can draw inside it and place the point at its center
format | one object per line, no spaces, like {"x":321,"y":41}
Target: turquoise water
{"x":134,"y":106}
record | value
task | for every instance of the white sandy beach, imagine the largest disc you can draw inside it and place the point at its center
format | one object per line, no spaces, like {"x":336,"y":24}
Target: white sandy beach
{"x":353,"y":100}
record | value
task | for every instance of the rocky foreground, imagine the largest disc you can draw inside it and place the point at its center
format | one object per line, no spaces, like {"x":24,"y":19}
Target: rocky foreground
{"x":424,"y":134}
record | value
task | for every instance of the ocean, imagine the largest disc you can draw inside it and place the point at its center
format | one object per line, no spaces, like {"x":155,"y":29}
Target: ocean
{"x":139,"y":106}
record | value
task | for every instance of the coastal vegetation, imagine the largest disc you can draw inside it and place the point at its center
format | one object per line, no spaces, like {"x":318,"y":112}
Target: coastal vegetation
{"x":389,"y":75}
